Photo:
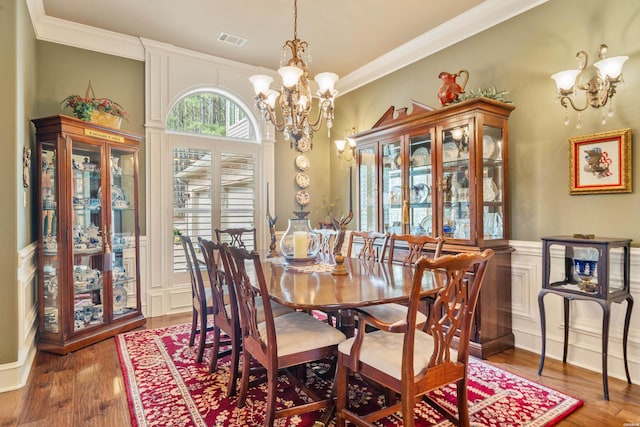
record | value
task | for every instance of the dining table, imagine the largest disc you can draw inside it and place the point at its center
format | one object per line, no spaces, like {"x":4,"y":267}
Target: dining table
{"x":313,"y":286}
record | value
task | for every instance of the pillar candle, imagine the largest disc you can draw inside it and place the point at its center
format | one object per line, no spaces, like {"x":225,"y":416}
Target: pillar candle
{"x":300,"y":239}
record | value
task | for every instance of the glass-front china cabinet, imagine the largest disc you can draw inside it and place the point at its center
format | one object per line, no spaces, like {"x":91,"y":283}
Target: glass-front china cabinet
{"x":444,"y":173}
{"x":88,"y":233}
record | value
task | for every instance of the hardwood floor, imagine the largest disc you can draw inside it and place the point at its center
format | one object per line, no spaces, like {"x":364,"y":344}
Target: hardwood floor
{"x":86,"y":388}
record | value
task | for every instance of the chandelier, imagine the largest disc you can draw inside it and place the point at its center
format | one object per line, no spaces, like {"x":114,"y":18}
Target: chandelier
{"x":295,"y":100}
{"x":598,"y":90}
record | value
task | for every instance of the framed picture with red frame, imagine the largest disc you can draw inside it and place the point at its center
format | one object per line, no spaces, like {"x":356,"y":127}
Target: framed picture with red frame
{"x":600,"y":163}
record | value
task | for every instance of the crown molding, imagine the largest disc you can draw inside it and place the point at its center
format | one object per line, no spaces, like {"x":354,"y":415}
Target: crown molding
{"x":82,"y":36}
{"x":486,"y":15}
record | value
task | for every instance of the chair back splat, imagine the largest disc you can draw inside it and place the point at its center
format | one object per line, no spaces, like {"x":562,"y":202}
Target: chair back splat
{"x":201,"y":299}
{"x":279,"y":342}
{"x":367,"y":240}
{"x":428,"y":360}
{"x":237,"y":236}
{"x":415,"y":247}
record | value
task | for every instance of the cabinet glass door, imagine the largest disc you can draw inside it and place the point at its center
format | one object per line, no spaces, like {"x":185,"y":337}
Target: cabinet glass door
{"x":420,"y":185}
{"x":87,"y":233}
{"x":49,"y":227}
{"x":368,"y":189}
{"x":492,"y":183}
{"x":454,"y":183}
{"x":392,"y":191}
{"x":122,"y":230}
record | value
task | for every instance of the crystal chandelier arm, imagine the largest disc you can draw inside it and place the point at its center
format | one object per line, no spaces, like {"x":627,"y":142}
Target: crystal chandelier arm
{"x":269,"y":113}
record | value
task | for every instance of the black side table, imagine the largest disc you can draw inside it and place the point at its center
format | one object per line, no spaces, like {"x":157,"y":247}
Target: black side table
{"x":587,"y":270}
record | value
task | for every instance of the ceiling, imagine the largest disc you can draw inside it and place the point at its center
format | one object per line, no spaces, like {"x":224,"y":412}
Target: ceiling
{"x":344,"y":36}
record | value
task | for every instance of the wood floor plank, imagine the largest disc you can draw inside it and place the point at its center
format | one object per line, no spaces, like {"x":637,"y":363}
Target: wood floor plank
{"x":86,"y":388}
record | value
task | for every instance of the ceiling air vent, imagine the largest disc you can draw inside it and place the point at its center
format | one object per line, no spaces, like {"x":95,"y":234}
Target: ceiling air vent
{"x":231,"y":39}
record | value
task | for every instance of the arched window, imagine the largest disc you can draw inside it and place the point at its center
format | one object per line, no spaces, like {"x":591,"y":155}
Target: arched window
{"x":214,"y":158}
{"x":209,"y":113}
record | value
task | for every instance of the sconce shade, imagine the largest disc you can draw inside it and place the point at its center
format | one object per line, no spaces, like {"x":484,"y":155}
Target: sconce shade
{"x":565,"y":79}
{"x":611,"y":67}
{"x":340,"y":143}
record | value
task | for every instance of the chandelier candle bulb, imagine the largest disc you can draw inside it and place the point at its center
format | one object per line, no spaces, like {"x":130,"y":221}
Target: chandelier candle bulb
{"x":300,"y":244}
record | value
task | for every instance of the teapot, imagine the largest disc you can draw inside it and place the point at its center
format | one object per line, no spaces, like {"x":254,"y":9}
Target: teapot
{"x":450,"y":90}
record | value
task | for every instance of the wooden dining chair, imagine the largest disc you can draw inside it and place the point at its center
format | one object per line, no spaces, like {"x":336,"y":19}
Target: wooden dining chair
{"x":422,"y":361}
{"x":202,"y":299}
{"x":225,"y":311}
{"x":279,"y":342}
{"x":235,"y":236}
{"x":367,"y":241}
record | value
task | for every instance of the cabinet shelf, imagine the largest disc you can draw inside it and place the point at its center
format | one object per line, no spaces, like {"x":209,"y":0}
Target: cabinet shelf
{"x":77,"y":302}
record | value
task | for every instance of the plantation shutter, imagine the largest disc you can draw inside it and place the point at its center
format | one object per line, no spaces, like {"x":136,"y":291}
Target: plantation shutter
{"x":192,"y":198}
{"x":237,"y":192}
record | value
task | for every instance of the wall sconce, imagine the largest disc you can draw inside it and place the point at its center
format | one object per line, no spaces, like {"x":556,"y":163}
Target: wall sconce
{"x":341,"y":144}
{"x":598,"y":90}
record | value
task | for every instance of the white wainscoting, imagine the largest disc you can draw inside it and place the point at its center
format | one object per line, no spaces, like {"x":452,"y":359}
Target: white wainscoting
{"x":585,"y":324}
{"x":14,"y":375}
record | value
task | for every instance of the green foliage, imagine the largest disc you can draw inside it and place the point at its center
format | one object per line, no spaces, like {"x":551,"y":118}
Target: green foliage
{"x":201,"y":113}
{"x":488,"y":92}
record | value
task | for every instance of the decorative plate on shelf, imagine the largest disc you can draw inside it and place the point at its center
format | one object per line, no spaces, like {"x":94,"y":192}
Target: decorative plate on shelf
{"x":489,"y":190}
{"x":117,"y":193}
{"x":419,"y":193}
{"x":489,"y":147}
{"x":426,"y":224}
{"x":119,"y":299}
{"x":303,"y":145}
{"x":302,"y":180}
{"x":397,"y":160}
{"x":302,"y":162}
{"x":449,"y":152}
{"x":303,"y":198}
{"x":420,"y":157}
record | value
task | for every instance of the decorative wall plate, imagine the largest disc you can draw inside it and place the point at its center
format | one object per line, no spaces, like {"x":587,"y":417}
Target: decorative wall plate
{"x":302,"y":162}
{"x":303,"y":198}
{"x":303,"y":145}
{"x":302,"y":180}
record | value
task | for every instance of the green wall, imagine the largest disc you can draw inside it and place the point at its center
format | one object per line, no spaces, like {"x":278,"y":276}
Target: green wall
{"x":519,"y":55}
{"x":17,"y":56}
{"x":8,"y":141}
{"x":64,"y":71}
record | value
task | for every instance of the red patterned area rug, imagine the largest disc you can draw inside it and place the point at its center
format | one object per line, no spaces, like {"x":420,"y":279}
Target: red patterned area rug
{"x":166,"y":387}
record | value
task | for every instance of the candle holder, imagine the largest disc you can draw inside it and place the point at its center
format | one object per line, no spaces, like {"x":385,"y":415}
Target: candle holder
{"x":339,"y":269}
{"x":300,"y":244}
